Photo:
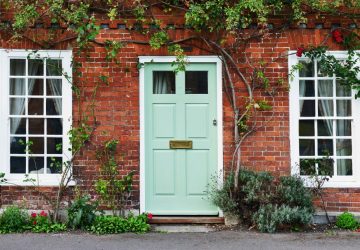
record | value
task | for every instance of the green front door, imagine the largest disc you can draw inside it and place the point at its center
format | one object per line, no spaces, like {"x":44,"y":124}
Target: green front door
{"x":180,"y":106}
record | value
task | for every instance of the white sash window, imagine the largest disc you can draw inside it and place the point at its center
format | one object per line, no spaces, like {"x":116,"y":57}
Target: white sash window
{"x":36,"y":107}
{"x":324,"y":124}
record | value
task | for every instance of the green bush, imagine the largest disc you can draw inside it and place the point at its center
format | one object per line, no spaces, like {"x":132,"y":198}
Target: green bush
{"x":114,"y":224}
{"x":269,"y":217}
{"x":13,"y":220}
{"x":347,"y":221}
{"x":260,"y":200}
{"x":222,"y":197}
{"x":291,"y":191}
{"x":81,"y":213}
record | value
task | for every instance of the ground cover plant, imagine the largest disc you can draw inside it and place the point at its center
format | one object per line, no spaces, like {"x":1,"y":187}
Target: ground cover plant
{"x":13,"y":220}
{"x":16,"y":220}
{"x":83,"y":214}
{"x":115,"y":224}
{"x":347,"y":221}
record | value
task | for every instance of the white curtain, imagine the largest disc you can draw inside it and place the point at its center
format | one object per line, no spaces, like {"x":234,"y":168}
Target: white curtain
{"x":162,"y":82}
{"x":325,"y":107}
{"x":18,"y":104}
{"x":18,"y":87}
{"x":343,"y":147}
{"x":55,"y":90}
{"x":302,"y":90}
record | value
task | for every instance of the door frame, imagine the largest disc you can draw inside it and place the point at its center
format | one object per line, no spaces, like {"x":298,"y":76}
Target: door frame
{"x":219,"y":109}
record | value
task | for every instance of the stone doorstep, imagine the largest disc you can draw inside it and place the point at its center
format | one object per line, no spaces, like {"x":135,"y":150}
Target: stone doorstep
{"x":186,"y":220}
{"x":181,"y":228}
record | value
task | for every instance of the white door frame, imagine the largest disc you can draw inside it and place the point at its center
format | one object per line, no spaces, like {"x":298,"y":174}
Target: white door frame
{"x":219,"y":110}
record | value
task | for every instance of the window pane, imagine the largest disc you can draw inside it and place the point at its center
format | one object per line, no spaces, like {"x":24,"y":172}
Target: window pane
{"x":325,"y":127}
{"x":343,"y":147}
{"x":17,"y":165}
{"x":53,"y":87}
{"x":37,"y":146}
{"x":163,"y":82}
{"x":53,"y":67}
{"x":36,"y":67}
{"x":306,"y":128}
{"x":36,"y":126}
{"x":343,"y":128}
{"x":54,"y":145}
{"x":54,"y":126}
{"x":17,"y":145}
{"x":326,"y":167}
{"x":18,"y":126}
{"x":36,"y":106}
{"x":344,"y":167}
{"x":306,"y":88}
{"x":17,"y":106}
{"x":343,"y":107}
{"x":307,"y":167}
{"x":17,"y":67}
{"x":196,"y":82}
{"x":325,"y":108}
{"x":307,"y":108}
{"x":36,"y":165}
{"x":342,"y":90}
{"x":307,"y":147}
{"x":36,"y":87}
{"x":325,"y":88}
{"x":307,"y":69}
{"x":325,"y":147}
{"x":53,"y":106}
{"x":54,"y":165}
{"x":17,"y":86}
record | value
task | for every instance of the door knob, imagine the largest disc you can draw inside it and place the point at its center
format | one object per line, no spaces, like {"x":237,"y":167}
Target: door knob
{"x":214,"y":122}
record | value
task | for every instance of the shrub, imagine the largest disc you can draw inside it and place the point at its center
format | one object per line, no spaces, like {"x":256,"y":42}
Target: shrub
{"x":81,"y":213}
{"x":261,"y":201}
{"x":269,"y":217}
{"x":41,"y":223}
{"x":222,"y":197}
{"x":255,"y":188}
{"x":115,"y":224}
{"x":347,"y":221}
{"x":13,"y":220}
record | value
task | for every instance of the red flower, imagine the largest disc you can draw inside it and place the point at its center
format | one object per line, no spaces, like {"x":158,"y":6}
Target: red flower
{"x":34,"y":222}
{"x":300,"y":51}
{"x":42,"y":213}
{"x":338,"y":37}
{"x":33,"y":214}
{"x":149,"y":216}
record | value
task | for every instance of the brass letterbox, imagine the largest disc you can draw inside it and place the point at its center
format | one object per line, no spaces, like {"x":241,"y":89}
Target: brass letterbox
{"x":180,"y":144}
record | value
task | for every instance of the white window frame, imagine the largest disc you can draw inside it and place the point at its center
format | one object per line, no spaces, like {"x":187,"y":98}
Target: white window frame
{"x":5,"y":56}
{"x":294,"y":111}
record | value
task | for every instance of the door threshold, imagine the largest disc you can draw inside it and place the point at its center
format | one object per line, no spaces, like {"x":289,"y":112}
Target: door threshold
{"x":186,"y":220}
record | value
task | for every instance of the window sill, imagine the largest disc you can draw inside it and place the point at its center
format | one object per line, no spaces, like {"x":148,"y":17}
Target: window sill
{"x":349,"y":182}
{"x":51,"y":181}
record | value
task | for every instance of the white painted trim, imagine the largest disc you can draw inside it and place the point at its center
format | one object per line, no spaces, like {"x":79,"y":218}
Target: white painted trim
{"x":219,"y":95}
{"x":66,"y":57}
{"x":338,"y":181}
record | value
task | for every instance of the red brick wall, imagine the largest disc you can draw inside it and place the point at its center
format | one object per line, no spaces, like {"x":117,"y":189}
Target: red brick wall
{"x":117,"y":112}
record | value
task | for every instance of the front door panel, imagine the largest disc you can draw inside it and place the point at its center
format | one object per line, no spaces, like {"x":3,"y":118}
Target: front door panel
{"x":181,"y":107}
